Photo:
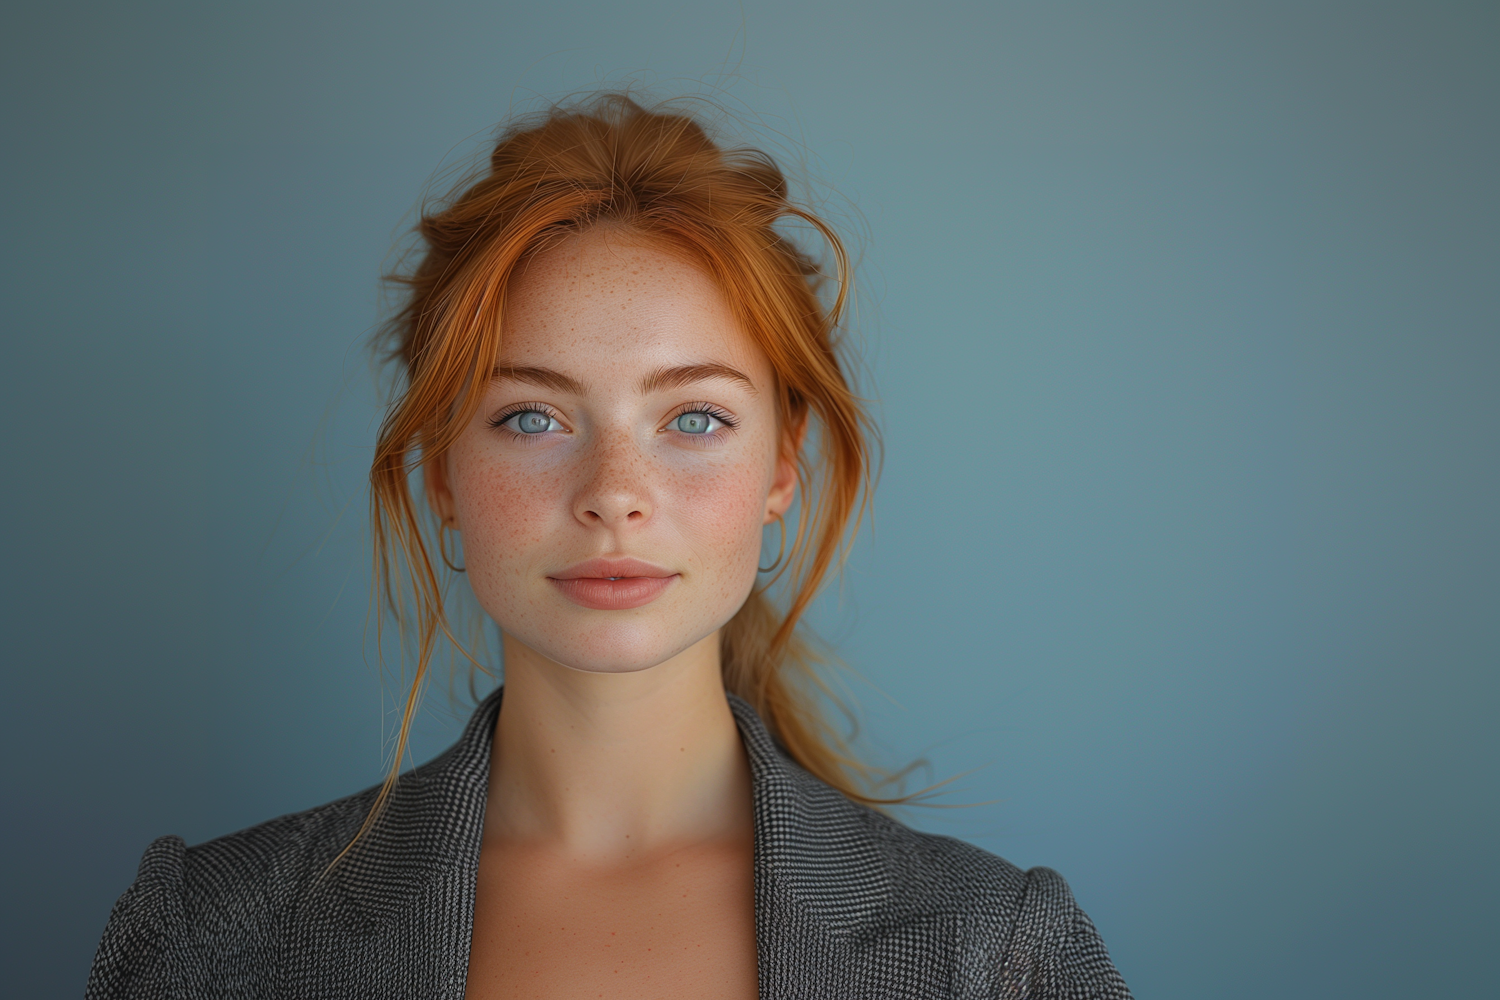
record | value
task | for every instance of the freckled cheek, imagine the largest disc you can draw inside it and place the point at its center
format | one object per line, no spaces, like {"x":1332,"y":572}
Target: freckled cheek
{"x":506,"y":514}
{"x":720,"y":513}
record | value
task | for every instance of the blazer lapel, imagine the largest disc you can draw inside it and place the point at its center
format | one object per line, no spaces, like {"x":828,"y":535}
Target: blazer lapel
{"x":403,"y":899}
{"x":402,"y":903}
{"x":820,"y":879}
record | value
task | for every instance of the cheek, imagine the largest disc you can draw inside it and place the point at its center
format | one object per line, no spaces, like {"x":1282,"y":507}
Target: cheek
{"x":720,"y":514}
{"x":506,"y":514}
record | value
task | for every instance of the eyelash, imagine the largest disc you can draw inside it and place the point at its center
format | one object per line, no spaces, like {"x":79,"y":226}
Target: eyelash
{"x":721,"y":415}
{"x":497,"y":422}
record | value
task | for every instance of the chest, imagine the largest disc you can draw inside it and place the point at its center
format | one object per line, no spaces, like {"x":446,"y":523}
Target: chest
{"x":676,"y":925}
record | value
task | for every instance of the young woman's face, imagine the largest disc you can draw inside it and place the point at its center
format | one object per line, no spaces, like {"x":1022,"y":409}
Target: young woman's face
{"x":612,"y":487}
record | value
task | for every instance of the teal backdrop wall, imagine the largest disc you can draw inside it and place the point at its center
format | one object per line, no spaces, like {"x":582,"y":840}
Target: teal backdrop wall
{"x":1183,"y":320}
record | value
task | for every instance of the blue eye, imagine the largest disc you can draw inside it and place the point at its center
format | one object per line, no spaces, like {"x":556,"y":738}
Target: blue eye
{"x":696,"y":422}
{"x":531,"y":422}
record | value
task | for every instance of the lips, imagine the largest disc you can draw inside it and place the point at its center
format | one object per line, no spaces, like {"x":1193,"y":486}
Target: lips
{"x":613,"y":584}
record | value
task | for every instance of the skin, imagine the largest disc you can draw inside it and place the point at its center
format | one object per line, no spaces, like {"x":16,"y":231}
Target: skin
{"x":618,"y":838}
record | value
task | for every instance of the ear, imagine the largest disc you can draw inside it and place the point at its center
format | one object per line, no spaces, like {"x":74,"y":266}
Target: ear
{"x":784,"y":483}
{"x":435,"y":484}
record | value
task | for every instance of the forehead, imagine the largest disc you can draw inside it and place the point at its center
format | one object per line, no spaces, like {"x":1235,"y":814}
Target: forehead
{"x":603,"y":297}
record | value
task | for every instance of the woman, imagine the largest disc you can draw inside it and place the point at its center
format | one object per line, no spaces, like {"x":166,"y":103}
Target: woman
{"x":617,"y":373}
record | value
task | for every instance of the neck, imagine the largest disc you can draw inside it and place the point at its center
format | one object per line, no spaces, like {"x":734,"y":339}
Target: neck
{"x":612,"y":766}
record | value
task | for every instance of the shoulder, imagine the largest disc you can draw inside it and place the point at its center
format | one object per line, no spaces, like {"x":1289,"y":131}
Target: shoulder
{"x":965,"y":916}
{"x":261,"y":912}
{"x":1022,"y":931}
{"x":935,"y":872}
{"x":227,"y":899}
{"x":272,"y":860}
{"x":890,"y":903}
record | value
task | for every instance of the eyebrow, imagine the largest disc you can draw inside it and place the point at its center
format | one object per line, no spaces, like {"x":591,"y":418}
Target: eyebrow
{"x":680,"y":375}
{"x":667,"y":377}
{"x":545,"y":378}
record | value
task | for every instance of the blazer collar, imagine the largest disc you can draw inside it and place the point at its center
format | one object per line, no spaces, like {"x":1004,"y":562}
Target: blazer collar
{"x":818,"y":869}
{"x":817,"y":865}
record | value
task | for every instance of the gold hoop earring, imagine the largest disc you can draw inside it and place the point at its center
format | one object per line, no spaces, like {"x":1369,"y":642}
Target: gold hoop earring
{"x":443,"y":548}
{"x":781,"y":520}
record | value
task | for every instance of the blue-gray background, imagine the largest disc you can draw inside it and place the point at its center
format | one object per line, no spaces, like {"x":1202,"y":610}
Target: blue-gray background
{"x":1184,"y":321}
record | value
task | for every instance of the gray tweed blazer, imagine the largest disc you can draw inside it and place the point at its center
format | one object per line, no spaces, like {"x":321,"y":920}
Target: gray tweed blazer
{"x":848,"y":903}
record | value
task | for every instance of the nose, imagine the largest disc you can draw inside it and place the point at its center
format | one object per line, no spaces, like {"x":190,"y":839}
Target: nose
{"x":616,"y":492}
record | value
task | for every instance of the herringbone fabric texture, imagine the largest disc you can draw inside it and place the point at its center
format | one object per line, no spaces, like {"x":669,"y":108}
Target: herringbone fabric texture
{"x":848,"y":903}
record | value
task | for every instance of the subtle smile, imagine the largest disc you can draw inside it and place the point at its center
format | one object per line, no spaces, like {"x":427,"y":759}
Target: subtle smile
{"x":612,"y":584}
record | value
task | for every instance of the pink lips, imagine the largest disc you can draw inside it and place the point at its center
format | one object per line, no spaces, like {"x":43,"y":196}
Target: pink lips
{"x":612,"y":584}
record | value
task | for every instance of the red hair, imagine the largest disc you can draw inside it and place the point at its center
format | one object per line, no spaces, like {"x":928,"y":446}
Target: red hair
{"x":659,"y":175}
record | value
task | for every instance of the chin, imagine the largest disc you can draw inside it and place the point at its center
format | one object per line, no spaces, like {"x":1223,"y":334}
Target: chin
{"x":617,"y":647}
